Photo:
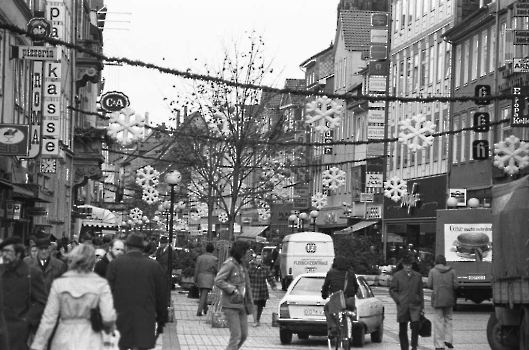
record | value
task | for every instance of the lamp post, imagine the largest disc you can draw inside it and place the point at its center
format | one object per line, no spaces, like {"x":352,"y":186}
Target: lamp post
{"x":292,"y":219}
{"x":172,"y":178}
{"x":303,"y":217}
{"x":314,"y":215}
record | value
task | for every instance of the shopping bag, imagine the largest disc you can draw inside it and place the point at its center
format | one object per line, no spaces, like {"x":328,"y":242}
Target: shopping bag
{"x":336,"y":302}
{"x":111,"y":340}
{"x":425,"y":326}
{"x":194,"y":292}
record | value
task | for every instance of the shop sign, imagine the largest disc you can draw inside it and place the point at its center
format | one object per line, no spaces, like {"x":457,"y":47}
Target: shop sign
{"x":378,"y":67}
{"x":411,"y":199}
{"x":14,"y":140}
{"x":367,"y":197}
{"x":379,"y":20}
{"x":13,"y":210}
{"x":114,"y":101}
{"x":56,"y":13}
{"x":376,"y":116}
{"x":378,"y":52}
{"x":375,"y":131}
{"x":521,"y":9}
{"x":520,"y":107}
{"x":520,"y":65}
{"x":460,"y":194}
{"x":379,"y":36}
{"x":520,"y":37}
{"x":38,"y":53}
{"x":36,"y":211}
{"x":39,"y":26}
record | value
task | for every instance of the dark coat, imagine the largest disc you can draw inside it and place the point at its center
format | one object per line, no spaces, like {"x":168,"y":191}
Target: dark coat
{"x":162,"y":256}
{"x":140,"y":291}
{"x":407,"y":293}
{"x":25,"y":297}
{"x":55,"y":268}
{"x":206,"y":270}
{"x":335,"y":281}
{"x":3,"y":328}
{"x":101,"y":267}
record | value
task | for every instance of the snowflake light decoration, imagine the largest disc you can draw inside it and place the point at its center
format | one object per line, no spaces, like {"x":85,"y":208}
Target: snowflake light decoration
{"x":264,"y":214}
{"x":147,"y":177}
{"x":218,"y":124}
{"x":319,"y":200}
{"x":136,"y":214}
{"x":333,"y":178}
{"x":150,"y":195}
{"x":126,"y":126}
{"x":194,"y":215}
{"x":415,"y":132}
{"x":511,"y":155}
{"x":323,"y":108}
{"x":223,"y":217}
{"x":202,"y":209}
{"x":395,"y":188}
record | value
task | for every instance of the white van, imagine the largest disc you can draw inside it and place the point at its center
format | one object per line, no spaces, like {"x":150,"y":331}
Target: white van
{"x":305,"y":252}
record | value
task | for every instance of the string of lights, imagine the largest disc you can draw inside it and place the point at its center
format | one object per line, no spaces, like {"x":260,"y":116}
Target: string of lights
{"x":187,"y":74}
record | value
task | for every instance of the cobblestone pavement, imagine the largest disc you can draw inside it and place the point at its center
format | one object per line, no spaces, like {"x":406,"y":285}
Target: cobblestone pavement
{"x":190,"y":332}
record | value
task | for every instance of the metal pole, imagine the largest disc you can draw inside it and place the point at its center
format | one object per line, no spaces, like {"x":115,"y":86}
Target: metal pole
{"x":170,"y":251}
{"x":313,"y":224}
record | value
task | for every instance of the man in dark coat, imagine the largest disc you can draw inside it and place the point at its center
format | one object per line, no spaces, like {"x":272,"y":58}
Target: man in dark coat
{"x":24,"y":293}
{"x":51,"y":267}
{"x":162,"y":254}
{"x":115,"y":250}
{"x":407,"y":292}
{"x":140,"y":296}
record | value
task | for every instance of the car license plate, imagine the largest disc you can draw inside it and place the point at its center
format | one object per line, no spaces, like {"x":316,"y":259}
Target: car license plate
{"x":476,"y":277}
{"x":310,"y":269}
{"x":313,"y":312}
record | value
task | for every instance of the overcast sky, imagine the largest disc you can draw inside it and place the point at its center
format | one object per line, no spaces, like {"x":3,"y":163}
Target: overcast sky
{"x":173,"y":33}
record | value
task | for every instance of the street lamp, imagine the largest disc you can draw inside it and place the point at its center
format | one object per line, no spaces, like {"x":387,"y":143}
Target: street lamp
{"x":172,"y":178}
{"x":303,"y":217}
{"x":314,"y":215}
{"x":292,"y":219}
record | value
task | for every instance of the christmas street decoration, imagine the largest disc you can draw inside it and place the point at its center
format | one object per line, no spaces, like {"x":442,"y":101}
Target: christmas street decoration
{"x":323,"y":108}
{"x":319,"y":200}
{"x":202,"y":209}
{"x":150,"y":195}
{"x":264,"y":214}
{"x":415,"y":132}
{"x":333,"y":178}
{"x":511,"y":155}
{"x":147,"y":177}
{"x":395,"y":188}
{"x":125,"y":126}
{"x":194,"y":215}
{"x":223,"y":217}
{"x":136,"y":214}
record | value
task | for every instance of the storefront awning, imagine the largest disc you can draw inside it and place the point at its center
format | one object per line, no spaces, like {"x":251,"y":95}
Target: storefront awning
{"x":99,"y":217}
{"x":251,"y":232}
{"x":16,"y":189}
{"x":358,"y":226}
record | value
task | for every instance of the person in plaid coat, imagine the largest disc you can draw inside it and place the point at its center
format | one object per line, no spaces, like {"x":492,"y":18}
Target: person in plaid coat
{"x":259,"y":274}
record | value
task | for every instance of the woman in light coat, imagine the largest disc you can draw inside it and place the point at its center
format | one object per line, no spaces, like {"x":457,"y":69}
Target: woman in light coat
{"x":71,"y":298}
{"x":234,"y":282}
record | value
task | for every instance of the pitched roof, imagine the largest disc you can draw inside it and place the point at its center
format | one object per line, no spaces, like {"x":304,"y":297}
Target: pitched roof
{"x":356,"y":29}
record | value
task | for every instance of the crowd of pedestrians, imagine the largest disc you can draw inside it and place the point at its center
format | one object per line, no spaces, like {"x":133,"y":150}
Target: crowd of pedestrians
{"x":53,"y":293}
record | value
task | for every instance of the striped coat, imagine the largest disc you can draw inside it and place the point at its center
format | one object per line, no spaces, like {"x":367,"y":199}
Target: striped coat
{"x":258,"y":277}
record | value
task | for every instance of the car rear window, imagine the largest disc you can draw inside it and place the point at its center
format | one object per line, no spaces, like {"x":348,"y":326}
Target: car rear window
{"x":307,"y":286}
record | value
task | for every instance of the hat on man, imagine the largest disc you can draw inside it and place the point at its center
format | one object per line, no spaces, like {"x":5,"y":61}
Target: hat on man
{"x":135,"y":240}
{"x":43,"y":243}
{"x":32,"y":238}
{"x":10,"y":240}
{"x":407,"y":260}
{"x":164,"y":239}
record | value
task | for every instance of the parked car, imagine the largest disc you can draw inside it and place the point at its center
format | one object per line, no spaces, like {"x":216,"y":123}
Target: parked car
{"x":301,"y":311}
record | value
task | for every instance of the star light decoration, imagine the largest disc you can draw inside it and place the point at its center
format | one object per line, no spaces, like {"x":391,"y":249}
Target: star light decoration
{"x":319,"y":200}
{"x":511,"y":155}
{"x":150,"y":195}
{"x":223,"y":216}
{"x":415,"y":132}
{"x":395,"y":188}
{"x":333,"y":178}
{"x":264,"y":214}
{"x":125,"y":126}
{"x":325,"y":109}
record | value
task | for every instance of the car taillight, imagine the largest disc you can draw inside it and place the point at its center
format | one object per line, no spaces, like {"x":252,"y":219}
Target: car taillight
{"x":283,"y":311}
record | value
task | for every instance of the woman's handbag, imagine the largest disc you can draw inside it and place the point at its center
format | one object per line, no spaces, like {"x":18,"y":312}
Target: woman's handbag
{"x":194,"y":292}
{"x":96,"y":319}
{"x":425,"y":326}
{"x":248,"y":304}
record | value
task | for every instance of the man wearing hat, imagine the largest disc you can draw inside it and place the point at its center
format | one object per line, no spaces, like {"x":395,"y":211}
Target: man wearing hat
{"x":140,"y":295}
{"x":51,"y":267}
{"x":24,"y":293}
{"x":407,"y":292}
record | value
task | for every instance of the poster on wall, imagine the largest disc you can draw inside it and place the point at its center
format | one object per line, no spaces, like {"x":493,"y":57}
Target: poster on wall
{"x":468,"y":242}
